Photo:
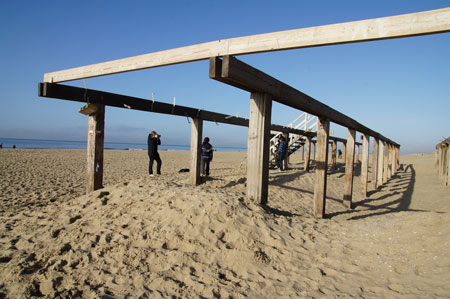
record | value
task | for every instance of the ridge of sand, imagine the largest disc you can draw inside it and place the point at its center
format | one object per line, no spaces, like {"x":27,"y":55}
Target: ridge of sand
{"x":161,"y":237}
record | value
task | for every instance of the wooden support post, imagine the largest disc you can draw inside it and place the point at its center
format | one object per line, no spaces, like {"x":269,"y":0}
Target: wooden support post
{"x":95,"y":146}
{"x":258,"y":147}
{"x":320,"y":185}
{"x":380,"y":164}
{"x":302,"y":157}
{"x":357,"y":153}
{"x":196,"y":143}
{"x":398,"y":157}
{"x":349,"y":167}
{"x":365,"y":164}
{"x":385,"y":163}
{"x":375,"y":163}
{"x":391,"y":160}
{"x":307,"y":154}
{"x":333,"y":154}
{"x":314,"y":150}
{"x":344,"y":151}
{"x":286,"y":158}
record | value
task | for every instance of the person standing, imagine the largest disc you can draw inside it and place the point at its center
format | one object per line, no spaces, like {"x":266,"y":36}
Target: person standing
{"x":153,"y":142}
{"x":206,"y":156}
{"x":281,"y":153}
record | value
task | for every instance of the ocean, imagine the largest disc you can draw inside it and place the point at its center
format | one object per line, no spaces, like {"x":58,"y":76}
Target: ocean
{"x":65,"y":144}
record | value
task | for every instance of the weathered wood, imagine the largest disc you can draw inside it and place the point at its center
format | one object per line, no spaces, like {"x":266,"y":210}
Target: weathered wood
{"x":333,"y":154}
{"x":258,"y":147}
{"x":314,"y":150}
{"x":344,"y":150}
{"x":380,"y":164}
{"x":307,"y":154}
{"x":71,"y":93}
{"x":196,"y":143}
{"x":320,"y":184}
{"x":385,"y":162}
{"x":244,"y":76}
{"x":349,"y":169}
{"x":375,"y":163}
{"x":420,"y":23}
{"x":286,"y":157}
{"x":357,"y":153}
{"x":95,"y":146}
{"x":365,"y":164}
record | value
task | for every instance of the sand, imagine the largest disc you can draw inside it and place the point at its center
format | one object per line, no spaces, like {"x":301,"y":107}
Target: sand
{"x":152,"y":237}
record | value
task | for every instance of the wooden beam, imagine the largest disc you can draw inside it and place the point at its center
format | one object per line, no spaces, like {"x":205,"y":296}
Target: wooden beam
{"x":385,"y":163}
{"x":95,"y":146}
{"x":349,"y":169}
{"x":365,"y":164}
{"x":196,"y":143}
{"x":320,"y":184}
{"x":380,"y":164}
{"x":420,"y":23}
{"x":244,"y":76}
{"x":307,"y":159}
{"x":375,"y":156}
{"x":71,"y":93}
{"x":258,"y":147}
{"x":286,"y":157}
{"x":333,"y":154}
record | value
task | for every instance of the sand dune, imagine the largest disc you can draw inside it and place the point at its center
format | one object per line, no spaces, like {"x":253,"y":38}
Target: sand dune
{"x":161,"y":237}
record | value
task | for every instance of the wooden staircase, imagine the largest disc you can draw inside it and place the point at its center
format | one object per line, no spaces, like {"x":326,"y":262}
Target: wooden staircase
{"x":304,"y":122}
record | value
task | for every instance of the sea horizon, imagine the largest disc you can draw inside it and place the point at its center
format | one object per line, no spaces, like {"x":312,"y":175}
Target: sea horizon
{"x":28,"y":143}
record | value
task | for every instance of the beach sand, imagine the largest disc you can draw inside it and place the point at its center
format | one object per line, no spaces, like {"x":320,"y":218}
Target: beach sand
{"x":152,"y":237}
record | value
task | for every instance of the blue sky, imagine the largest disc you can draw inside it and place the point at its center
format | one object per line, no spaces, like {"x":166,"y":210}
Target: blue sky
{"x":399,"y":88}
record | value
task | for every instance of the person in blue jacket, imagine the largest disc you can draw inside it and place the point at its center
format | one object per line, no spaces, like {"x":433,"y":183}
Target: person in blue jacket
{"x":206,"y":156}
{"x":281,"y":152}
{"x":153,"y":142}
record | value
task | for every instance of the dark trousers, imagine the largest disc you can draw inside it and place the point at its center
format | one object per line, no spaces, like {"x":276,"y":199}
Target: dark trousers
{"x":280,"y":160}
{"x":154,"y":157}
{"x":204,"y":165}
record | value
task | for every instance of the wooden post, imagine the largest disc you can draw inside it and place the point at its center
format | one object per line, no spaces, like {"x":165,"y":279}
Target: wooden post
{"x":258,"y":147}
{"x":344,"y":150}
{"x":320,"y":185}
{"x":365,"y":164}
{"x":95,"y":146}
{"x":314,"y":150}
{"x":307,"y":154}
{"x":349,"y":167}
{"x":302,"y":157}
{"x":286,"y":158}
{"x":357,"y":153}
{"x":196,"y":143}
{"x":375,"y":163}
{"x":380,"y":163}
{"x":333,"y":154}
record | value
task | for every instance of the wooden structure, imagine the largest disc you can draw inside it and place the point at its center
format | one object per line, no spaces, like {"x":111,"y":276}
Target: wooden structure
{"x":442,"y":161}
{"x":263,"y":90}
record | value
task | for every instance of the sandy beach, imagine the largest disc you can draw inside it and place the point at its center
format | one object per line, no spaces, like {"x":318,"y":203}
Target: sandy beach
{"x":151,"y":237}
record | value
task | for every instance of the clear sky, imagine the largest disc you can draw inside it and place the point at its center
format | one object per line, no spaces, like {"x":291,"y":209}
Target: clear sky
{"x":399,"y":88}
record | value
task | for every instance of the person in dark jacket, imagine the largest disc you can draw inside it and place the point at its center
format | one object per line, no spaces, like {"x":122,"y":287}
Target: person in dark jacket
{"x":206,"y":156}
{"x":281,"y":153}
{"x":153,"y":142}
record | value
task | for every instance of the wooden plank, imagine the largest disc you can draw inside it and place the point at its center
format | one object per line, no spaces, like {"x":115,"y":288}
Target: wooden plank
{"x":385,"y":163}
{"x":375,"y":163}
{"x":344,"y":150}
{"x":258,"y":147}
{"x":306,"y":162}
{"x":420,"y":23}
{"x":95,"y":146}
{"x":365,"y":164}
{"x":196,"y":143}
{"x":380,"y":164}
{"x":333,"y":154}
{"x":71,"y":93}
{"x":244,"y":76}
{"x":286,"y":158}
{"x":349,"y":169}
{"x":314,"y":150}
{"x":320,"y":184}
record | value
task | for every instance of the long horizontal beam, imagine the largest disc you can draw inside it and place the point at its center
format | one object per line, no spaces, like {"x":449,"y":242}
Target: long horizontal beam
{"x":421,"y":23}
{"x":239,"y":74}
{"x":71,"y":93}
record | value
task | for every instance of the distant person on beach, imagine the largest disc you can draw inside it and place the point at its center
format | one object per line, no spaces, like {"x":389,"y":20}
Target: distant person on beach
{"x":339,"y":153}
{"x":14,"y":146}
{"x":281,"y":152}
{"x":153,"y":142}
{"x":206,"y":156}
{"x":1,"y":145}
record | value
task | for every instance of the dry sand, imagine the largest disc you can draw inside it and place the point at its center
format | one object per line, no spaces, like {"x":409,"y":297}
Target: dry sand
{"x":161,"y":237}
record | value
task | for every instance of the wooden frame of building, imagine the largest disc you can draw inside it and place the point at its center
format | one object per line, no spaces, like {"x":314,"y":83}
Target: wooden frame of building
{"x":263,"y":90}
